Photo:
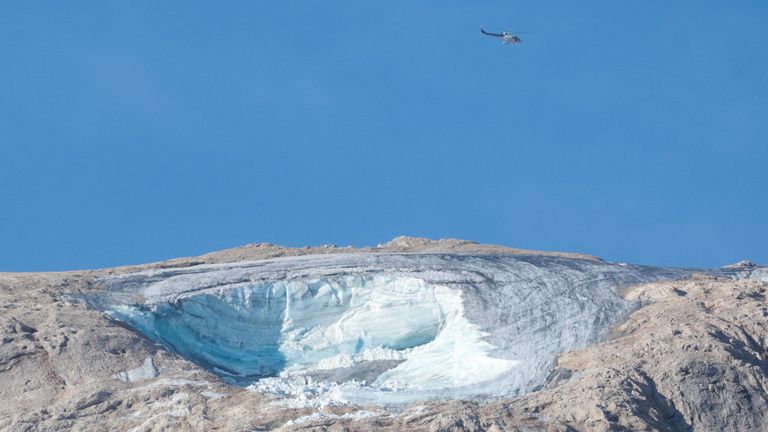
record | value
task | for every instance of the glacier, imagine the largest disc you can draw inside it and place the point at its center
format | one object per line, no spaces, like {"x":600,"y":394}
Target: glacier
{"x":385,"y":328}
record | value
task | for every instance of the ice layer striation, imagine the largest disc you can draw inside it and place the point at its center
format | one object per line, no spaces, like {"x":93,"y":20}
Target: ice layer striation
{"x":386,"y":328}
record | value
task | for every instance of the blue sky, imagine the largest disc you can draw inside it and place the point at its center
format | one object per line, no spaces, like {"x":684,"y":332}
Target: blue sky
{"x":138,"y":131}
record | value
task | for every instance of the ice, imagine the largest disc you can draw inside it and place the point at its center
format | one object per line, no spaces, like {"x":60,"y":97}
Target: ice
{"x":147,"y":370}
{"x":355,"y":415}
{"x":296,"y":327}
{"x":379,"y":328}
{"x":760,"y":273}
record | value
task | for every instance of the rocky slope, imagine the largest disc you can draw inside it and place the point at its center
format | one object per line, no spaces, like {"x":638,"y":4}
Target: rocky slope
{"x":692,"y":357}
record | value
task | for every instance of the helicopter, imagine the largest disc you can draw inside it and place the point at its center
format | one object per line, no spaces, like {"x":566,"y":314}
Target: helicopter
{"x":508,"y":38}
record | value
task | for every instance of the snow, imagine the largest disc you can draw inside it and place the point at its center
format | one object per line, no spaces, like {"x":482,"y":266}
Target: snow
{"x":379,"y":328}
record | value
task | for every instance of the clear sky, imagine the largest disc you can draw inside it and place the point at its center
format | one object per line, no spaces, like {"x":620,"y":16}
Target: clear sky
{"x":134,"y":131}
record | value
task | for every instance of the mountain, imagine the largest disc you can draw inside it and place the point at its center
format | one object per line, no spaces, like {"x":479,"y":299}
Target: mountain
{"x":414,"y":334}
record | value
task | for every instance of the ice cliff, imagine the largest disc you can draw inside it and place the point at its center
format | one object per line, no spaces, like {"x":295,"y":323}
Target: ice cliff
{"x":386,"y":328}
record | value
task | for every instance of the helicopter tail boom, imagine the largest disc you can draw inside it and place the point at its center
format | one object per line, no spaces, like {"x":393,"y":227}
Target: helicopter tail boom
{"x":490,"y":34}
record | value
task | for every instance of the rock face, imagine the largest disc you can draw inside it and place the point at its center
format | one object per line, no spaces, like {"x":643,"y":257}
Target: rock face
{"x":508,"y":340}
